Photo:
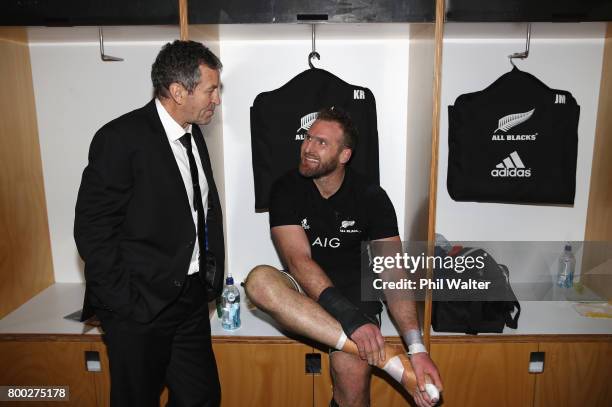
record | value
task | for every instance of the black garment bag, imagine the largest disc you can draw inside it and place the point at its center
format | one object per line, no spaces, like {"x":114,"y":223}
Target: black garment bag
{"x":515,"y":141}
{"x":280,"y":119}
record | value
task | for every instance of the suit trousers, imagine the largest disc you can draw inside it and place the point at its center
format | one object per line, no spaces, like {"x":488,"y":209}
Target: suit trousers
{"x":174,"y":349}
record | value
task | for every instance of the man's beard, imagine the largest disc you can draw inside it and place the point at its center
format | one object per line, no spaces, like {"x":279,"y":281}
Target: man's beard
{"x":321,"y":170}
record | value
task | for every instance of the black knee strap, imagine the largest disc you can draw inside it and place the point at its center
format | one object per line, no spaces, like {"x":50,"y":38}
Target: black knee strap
{"x":349,"y":316}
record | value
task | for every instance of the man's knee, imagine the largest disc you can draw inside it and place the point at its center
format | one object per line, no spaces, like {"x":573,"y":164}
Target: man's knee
{"x":351,"y":381}
{"x":351,"y":378}
{"x":259,"y":284}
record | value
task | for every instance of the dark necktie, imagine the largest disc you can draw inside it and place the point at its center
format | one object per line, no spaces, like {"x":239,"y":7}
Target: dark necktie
{"x":197,"y":199}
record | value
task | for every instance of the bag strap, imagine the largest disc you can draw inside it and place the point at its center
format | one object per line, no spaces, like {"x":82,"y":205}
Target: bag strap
{"x":511,"y":322}
{"x":474,"y":318}
{"x":469,"y":250}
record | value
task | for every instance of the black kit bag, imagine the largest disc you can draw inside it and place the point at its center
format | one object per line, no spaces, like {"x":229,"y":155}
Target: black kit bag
{"x":476,"y":312}
{"x":514,"y":142}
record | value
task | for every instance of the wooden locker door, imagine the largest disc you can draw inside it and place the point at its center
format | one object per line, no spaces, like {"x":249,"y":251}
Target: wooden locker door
{"x":102,"y":379}
{"x":575,"y":374}
{"x":386,"y":392}
{"x":485,"y":374}
{"x":322,"y":384}
{"x":48,"y":363}
{"x":263,"y":374}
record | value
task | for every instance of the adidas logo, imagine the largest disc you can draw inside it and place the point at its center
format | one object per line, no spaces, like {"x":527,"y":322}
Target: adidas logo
{"x":305,"y":123}
{"x":511,"y":167}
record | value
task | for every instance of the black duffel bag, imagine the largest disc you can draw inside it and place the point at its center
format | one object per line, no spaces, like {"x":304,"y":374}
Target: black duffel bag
{"x":476,"y":312}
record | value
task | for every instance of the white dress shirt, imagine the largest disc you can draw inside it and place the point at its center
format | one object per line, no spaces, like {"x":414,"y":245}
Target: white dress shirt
{"x":174,"y":131}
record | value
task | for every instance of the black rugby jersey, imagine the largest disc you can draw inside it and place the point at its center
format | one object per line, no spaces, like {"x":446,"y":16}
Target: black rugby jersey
{"x":515,"y":141}
{"x":359,"y":211}
{"x":280,"y":119}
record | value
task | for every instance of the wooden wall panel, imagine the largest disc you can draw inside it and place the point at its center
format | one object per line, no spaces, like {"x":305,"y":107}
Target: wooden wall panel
{"x":102,"y":379}
{"x":575,"y":374}
{"x":435,"y":149}
{"x":599,"y":214}
{"x":385,"y":391}
{"x":323,"y":382}
{"x":485,"y":374}
{"x":251,"y":374}
{"x":25,"y":250}
{"x":269,"y":375}
{"x":48,"y":363}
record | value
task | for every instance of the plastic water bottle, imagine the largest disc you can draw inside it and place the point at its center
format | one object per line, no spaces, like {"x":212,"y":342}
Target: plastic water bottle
{"x":230,"y":305}
{"x":567,"y":265}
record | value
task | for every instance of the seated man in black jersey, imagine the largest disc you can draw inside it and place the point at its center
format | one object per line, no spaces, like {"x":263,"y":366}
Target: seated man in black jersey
{"x":319,"y":215}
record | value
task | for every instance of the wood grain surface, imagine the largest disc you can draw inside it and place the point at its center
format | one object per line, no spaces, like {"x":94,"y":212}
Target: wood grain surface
{"x":435,"y":142}
{"x":48,"y":363}
{"x":599,"y":213}
{"x":25,"y":250}
{"x":575,"y":374}
{"x":264,"y":375}
{"x":485,"y":374}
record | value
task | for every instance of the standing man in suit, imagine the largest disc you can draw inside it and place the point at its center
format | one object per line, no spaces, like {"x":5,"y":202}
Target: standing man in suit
{"x":148,"y":225}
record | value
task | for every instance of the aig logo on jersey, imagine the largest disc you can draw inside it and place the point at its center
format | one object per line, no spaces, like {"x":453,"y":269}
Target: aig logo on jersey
{"x":511,"y":167}
{"x":333,"y":242}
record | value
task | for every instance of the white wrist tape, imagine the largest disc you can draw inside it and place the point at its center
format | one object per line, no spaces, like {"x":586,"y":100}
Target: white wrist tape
{"x":412,"y":336}
{"x":416,"y":348}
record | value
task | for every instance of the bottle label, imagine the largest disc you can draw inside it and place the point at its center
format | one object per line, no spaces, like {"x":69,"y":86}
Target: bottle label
{"x":231,"y":316}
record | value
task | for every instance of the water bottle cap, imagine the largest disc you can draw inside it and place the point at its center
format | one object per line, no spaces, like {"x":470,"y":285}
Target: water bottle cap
{"x":229,"y":280}
{"x":568,"y":247}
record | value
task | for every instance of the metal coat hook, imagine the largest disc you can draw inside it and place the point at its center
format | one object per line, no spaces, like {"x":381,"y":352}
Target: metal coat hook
{"x":314,"y":53}
{"x":103,"y":56}
{"x":525,"y":54}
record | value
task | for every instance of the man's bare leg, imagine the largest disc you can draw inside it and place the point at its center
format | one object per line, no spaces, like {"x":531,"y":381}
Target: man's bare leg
{"x":351,"y":379}
{"x":272,"y":293}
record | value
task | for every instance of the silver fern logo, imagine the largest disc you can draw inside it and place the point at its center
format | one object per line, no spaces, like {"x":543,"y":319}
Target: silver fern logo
{"x":305,"y":123}
{"x":513,"y":120}
{"x":346,"y":224}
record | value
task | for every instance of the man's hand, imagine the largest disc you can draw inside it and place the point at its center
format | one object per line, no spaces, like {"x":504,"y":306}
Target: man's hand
{"x":423,"y":366}
{"x":370,"y":343}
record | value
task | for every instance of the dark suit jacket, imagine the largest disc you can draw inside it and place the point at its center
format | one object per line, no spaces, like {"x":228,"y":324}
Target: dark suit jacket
{"x":133,"y":225}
